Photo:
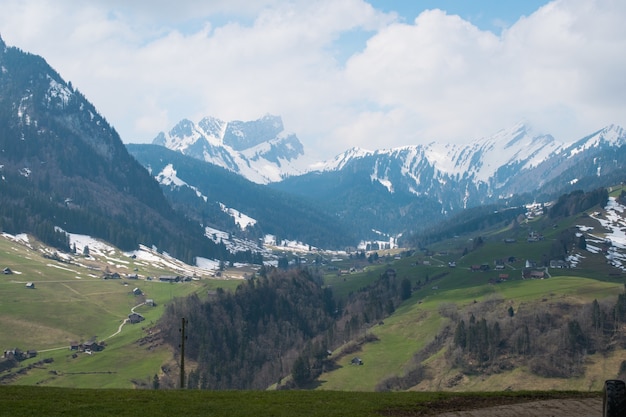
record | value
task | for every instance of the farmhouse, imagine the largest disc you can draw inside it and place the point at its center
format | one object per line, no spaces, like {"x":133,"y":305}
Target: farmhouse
{"x":559,"y":263}
{"x":529,"y":273}
{"x":356,"y":361}
{"x":135,"y":318}
{"x":19,"y":355}
{"x":92,"y":346}
{"x":16,"y":354}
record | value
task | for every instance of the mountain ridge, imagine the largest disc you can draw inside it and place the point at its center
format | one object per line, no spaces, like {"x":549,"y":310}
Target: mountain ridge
{"x":259,"y":150}
{"x":64,"y":168}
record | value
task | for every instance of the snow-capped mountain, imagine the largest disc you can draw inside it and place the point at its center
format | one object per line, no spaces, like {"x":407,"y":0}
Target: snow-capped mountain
{"x":497,"y":165}
{"x":392,"y":188}
{"x":259,"y":150}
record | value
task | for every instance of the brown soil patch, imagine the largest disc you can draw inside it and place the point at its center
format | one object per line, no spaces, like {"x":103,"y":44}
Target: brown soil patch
{"x":468,"y":406}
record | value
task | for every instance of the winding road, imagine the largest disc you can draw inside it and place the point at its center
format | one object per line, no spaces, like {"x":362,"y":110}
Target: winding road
{"x":119,"y":330}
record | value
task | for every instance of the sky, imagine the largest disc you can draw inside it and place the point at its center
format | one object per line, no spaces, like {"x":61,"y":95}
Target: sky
{"x":341,"y":73}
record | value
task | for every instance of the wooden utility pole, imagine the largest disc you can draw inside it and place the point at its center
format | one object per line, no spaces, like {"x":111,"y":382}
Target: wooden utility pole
{"x":183,"y":337}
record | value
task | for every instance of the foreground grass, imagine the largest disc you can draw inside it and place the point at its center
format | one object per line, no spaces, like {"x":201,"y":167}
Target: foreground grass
{"x":19,"y":401}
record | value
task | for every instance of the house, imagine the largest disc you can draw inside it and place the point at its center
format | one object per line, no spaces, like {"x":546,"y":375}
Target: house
{"x":30,"y":285}
{"x":537,"y":274}
{"x":132,"y":276}
{"x":135,"y":318}
{"x":150,"y":302}
{"x":93,"y":346}
{"x":74,"y":345}
{"x":170,"y":279}
{"x":7,"y":271}
{"x":356,"y":361}
{"x":19,"y":355}
{"x":559,"y":263}
{"x":533,"y":273}
{"x":15,"y":354}
{"x":137,"y":291}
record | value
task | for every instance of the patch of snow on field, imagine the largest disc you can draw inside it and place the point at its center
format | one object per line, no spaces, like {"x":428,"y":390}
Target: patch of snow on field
{"x":242,"y":220}
{"x":19,"y":238}
{"x":165,"y":261}
{"x":615,"y":224}
{"x":232,"y":243}
{"x":96,"y":247}
{"x":574,"y":259}
{"x":208,"y":264}
{"x":60,"y":267}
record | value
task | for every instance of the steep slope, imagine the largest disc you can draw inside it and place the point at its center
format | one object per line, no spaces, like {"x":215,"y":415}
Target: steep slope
{"x":203,"y":191}
{"x":258,"y":150}
{"x":432,"y":181}
{"x":64,"y":166}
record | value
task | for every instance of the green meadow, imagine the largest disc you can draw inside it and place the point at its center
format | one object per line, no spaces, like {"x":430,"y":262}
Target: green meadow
{"x":23,"y":401}
{"x":72,"y":303}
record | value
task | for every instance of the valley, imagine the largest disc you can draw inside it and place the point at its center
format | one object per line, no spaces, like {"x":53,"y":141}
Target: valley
{"x":72,"y":302}
{"x":495,"y":266}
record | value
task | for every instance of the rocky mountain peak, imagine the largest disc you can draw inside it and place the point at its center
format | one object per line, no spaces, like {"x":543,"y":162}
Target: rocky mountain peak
{"x":259,"y":150}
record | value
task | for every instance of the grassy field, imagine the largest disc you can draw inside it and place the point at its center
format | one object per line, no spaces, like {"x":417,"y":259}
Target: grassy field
{"x":418,"y":320}
{"x":72,"y":303}
{"x":20,"y":401}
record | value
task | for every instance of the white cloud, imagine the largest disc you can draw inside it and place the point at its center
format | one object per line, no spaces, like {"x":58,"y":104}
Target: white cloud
{"x":146,"y":65}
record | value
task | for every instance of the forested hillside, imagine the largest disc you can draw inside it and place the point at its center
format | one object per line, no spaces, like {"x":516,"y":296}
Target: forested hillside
{"x":276,"y":324}
{"x":63,"y":166}
{"x":277,"y":213}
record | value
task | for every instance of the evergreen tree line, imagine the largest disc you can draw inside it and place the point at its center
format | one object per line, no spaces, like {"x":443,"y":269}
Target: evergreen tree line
{"x":277,"y":213}
{"x":249,"y":339}
{"x":469,"y":221}
{"x":279,"y":323}
{"x":64,"y":166}
{"x":577,"y":202}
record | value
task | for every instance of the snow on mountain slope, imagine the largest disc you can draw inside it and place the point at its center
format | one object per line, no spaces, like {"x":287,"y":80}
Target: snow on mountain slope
{"x":258,"y":150}
{"x":611,"y":135}
{"x":420,"y":167}
{"x":482,"y":158}
{"x":514,"y":160}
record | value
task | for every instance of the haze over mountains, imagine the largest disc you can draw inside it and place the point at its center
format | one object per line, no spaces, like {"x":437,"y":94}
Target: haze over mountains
{"x":390,"y":191}
{"x":60,"y":151}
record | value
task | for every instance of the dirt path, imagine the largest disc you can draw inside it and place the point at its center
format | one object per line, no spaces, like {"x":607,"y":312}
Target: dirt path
{"x":586,"y":407}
